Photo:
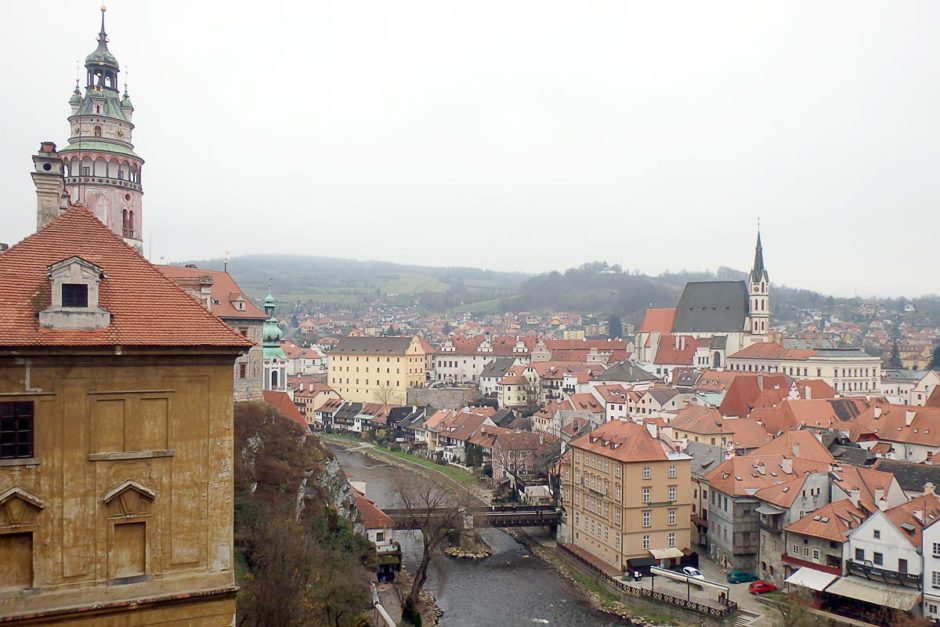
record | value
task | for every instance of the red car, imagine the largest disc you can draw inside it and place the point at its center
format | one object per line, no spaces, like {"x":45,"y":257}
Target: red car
{"x":760,"y":587}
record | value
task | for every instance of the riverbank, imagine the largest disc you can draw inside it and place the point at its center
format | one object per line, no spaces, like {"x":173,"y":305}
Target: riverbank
{"x":600,"y":597}
{"x":460,"y":477}
{"x":519,"y":588}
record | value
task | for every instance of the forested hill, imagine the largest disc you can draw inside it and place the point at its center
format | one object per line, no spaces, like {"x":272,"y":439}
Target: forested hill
{"x":595,"y":287}
{"x":601,"y":288}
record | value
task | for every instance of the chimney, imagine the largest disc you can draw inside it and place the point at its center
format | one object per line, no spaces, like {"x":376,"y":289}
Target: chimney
{"x":786,"y":465}
{"x":854,"y":495}
{"x":929,"y":488}
{"x":808,"y":392}
{"x":796,"y":449}
{"x":879,"y":495}
{"x":909,"y":417}
{"x":676,"y":342}
{"x":51,"y":197}
{"x":760,"y":382}
{"x":681,"y":342}
{"x":876,"y":412}
{"x":4,"y":248}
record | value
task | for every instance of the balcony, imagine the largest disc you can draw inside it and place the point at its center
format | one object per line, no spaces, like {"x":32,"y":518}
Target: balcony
{"x":771,"y":524}
{"x":876,"y":573}
{"x":103,"y":180}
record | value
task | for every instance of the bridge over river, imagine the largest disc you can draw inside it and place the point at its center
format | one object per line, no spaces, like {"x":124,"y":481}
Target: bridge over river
{"x":475,"y":517}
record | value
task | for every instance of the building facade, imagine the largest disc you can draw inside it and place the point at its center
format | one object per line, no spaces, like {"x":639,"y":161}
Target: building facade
{"x":377,"y":369}
{"x":627,"y":494}
{"x":116,"y":447}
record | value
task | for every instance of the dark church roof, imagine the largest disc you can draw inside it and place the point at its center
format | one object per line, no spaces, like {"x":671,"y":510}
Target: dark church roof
{"x":712,"y":306}
{"x":911,"y":477}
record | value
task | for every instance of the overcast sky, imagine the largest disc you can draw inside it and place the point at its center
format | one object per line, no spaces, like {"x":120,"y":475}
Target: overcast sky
{"x":513,"y":135}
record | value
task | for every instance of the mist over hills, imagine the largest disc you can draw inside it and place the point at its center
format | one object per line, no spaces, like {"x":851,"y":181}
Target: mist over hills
{"x":329,"y":282}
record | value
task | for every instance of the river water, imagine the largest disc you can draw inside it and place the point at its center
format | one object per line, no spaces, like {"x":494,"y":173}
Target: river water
{"x":511,"y":587}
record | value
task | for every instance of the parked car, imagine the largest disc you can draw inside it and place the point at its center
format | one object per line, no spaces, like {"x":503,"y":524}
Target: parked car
{"x":740,"y":576}
{"x":760,"y":587}
{"x":694,"y":573}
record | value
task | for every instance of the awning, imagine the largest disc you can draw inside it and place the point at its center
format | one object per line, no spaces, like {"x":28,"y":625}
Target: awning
{"x":664,"y":554}
{"x":811,"y":578}
{"x":875,"y":592}
{"x":765,"y":508}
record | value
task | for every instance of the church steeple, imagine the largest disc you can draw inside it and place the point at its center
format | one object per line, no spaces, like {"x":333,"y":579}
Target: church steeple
{"x":759,"y":293}
{"x":758,"y":272}
{"x":275,"y":361}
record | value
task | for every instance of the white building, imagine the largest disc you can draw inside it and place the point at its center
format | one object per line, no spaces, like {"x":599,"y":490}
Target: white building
{"x":850,"y":372}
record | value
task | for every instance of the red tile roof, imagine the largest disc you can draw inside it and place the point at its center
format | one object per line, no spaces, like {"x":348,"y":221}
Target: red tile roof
{"x":283,"y":403}
{"x":147,"y":309}
{"x":622,"y":441}
{"x":742,"y":395}
{"x":671,"y":354}
{"x":830,"y":522}
{"x":372,"y":517}
{"x":224,"y":291}
{"x":658,"y":320}
{"x":772,"y":350}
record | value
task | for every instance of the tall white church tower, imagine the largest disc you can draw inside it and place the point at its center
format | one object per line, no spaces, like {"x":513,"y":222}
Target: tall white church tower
{"x":101,"y":169}
{"x":759,"y":293}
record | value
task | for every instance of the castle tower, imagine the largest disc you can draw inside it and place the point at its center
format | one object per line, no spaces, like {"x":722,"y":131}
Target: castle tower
{"x":759,"y":293}
{"x":101,"y":169}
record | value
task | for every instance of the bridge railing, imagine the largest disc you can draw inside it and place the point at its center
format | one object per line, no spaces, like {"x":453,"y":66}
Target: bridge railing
{"x":723,"y":611}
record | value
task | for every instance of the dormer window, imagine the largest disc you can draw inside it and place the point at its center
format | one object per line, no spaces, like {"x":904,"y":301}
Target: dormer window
{"x":74,"y":295}
{"x":75,"y":286}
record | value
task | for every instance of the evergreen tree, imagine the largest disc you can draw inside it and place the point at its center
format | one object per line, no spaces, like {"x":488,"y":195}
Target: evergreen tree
{"x":614,"y":327}
{"x":935,"y":360}
{"x":895,"y":360}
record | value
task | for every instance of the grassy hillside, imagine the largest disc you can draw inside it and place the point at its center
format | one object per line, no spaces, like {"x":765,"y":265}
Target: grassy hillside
{"x":326,"y":280}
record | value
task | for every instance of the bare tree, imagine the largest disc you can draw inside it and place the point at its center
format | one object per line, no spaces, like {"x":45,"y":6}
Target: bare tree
{"x":433,"y":509}
{"x":384,"y":395}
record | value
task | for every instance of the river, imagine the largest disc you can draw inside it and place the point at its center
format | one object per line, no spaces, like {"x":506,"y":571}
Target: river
{"x":511,"y":587}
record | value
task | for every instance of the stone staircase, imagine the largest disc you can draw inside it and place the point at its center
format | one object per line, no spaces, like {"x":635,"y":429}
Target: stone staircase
{"x":745,"y":618}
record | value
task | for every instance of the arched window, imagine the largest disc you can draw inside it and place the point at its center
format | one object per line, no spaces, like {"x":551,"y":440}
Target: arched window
{"x":274,"y":379}
{"x":97,"y":131}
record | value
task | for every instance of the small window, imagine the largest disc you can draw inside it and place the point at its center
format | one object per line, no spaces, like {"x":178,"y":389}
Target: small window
{"x":878,"y":559}
{"x":877,"y":534}
{"x":74,"y":295}
{"x":859,"y":555}
{"x":16,"y":430}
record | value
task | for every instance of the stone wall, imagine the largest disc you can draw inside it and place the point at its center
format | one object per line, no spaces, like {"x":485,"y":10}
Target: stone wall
{"x":443,"y":398}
